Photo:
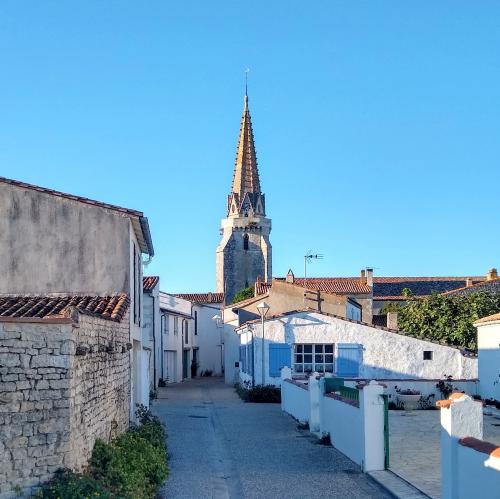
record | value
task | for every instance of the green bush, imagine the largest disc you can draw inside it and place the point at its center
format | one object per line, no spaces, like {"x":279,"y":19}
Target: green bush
{"x":243,"y":294}
{"x":447,"y":318}
{"x":259,"y":394}
{"x":131,"y":466}
{"x":68,"y":485}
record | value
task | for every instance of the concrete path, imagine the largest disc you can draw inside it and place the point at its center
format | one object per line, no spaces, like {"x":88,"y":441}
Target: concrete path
{"x":415,"y":447}
{"x":220,"y":447}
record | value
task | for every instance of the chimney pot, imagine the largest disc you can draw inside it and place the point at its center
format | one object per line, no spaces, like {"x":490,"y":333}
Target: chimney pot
{"x":491,"y":274}
{"x":468,"y":282}
{"x":290,"y":277}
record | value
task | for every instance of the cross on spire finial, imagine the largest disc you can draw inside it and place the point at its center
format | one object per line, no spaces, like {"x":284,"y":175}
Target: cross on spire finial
{"x":247,"y":70}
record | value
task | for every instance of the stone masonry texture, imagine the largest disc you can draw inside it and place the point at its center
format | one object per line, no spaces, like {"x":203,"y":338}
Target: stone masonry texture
{"x":62,"y":386}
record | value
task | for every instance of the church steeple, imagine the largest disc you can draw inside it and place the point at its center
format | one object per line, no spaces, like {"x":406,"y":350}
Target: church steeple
{"x":244,"y":253}
{"x":245,"y":192}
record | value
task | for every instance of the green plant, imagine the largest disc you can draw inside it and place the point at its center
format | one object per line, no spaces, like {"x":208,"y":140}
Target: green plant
{"x":207,"y":373}
{"x":325,"y":439}
{"x":18,"y":490}
{"x":153,"y":394}
{"x":244,"y":294}
{"x":162,"y":383}
{"x":447,"y":318}
{"x":427,"y":403}
{"x":445,"y":387}
{"x":69,"y":485}
{"x":259,"y":393}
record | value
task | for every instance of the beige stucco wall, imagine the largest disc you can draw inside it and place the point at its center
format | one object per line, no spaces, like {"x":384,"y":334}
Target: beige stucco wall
{"x":50,"y":244}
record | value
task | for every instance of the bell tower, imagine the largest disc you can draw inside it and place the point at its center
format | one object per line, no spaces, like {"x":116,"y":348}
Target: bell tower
{"x":244,"y":253}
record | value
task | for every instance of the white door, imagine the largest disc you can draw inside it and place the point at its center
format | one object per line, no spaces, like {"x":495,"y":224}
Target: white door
{"x":170,"y":366}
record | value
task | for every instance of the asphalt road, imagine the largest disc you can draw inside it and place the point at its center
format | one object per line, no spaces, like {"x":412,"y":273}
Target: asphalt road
{"x":221,"y":448}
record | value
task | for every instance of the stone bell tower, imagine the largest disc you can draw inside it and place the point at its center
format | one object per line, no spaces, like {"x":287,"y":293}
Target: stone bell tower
{"x":244,"y":253}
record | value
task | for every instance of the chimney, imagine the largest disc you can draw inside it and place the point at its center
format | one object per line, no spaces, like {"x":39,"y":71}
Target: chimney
{"x":290,"y":276}
{"x":363,"y":276}
{"x":209,"y":297}
{"x":369,"y":277}
{"x":468,"y":282}
{"x":491,"y":274}
{"x":392,"y":320}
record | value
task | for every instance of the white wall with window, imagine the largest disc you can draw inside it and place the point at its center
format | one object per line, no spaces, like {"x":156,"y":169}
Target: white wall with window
{"x":312,"y":341}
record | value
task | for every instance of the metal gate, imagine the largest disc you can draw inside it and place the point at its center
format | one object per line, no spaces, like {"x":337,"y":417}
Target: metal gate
{"x":386,"y":431}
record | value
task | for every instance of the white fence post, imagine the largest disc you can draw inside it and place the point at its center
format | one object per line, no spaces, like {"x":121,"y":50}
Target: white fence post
{"x":286,"y":373}
{"x":461,"y":416}
{"x":371,"y":405}
{"x":314,"y":409}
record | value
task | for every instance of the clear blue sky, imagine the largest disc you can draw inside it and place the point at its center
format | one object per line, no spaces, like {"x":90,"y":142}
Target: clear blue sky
{"x":376,"y":124}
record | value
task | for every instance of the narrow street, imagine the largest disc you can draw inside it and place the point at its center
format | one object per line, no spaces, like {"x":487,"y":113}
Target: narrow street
{"x":220,"y":447}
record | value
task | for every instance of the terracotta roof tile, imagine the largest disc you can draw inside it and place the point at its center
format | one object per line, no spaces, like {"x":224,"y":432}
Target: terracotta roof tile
{"x":106,"y":307}
{"x":490,"y":318}
{"x":334,"y":285}
{"x":202,"y":297}
{"x":261,"y":288}
{"x":149,"y":282}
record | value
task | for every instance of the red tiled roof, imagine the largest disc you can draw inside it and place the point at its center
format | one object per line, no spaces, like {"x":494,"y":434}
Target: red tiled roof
{"x":261,"y":288}
{"x":141,"y":224}
{"x":106,"y":307}
{"x":334,"y":285}
{"x":490,"y":318}
{"x":149,"y":282}
{"x":202,"y":297}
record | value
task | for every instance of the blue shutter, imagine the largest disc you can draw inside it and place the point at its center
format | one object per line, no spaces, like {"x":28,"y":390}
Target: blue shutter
{"x":348,"y":359}
{"x":280,"y":355}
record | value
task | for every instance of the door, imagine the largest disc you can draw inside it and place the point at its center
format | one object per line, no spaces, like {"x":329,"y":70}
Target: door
{"x":185,"y":364}
{"x":170,"y":366}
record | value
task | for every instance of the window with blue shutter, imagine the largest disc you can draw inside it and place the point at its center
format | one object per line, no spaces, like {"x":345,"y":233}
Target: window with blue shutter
{"x":348,"y":359}
{"x":280,"y":355}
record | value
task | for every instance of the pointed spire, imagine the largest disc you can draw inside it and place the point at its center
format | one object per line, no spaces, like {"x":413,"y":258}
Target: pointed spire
{"x":246,"y":173}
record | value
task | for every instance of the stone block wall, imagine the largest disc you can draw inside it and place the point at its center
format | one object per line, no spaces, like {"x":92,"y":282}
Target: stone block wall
{"x":100,"y":385}
{"x":63,"y":383}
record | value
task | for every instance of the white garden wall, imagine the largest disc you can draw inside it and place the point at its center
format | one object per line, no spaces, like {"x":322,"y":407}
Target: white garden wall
{"x":295,"y":400}
{"x":477,"y":471}
{"x":345,"y":425}
{"x":424,"y":386}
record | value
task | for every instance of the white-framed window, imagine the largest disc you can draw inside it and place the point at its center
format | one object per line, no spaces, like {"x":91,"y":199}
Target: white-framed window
{"x":308,"y":358}
{"x":176,"y":325}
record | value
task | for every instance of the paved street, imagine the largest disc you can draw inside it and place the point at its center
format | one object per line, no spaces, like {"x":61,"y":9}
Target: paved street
{"x":220,"y":447}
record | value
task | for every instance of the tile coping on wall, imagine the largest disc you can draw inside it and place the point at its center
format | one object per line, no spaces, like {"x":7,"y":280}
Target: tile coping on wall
{"x":481,"y":446}
{"x":332,"y":395}
{"x":297,"y":383}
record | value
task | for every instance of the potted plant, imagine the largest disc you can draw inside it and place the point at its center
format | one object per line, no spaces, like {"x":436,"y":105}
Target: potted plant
{"x":409,"y":398}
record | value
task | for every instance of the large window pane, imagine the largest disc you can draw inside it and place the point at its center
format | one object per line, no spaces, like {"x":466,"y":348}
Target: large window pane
{"x":308,"y":357}
{"x":329,"y":358}
{"x":318,"y":359}
{"x":329,"y":368}
{"x":318,"y":348}
{"x":299,"y":358}
{"x":328,"y":348}
{"x":298,"y":348}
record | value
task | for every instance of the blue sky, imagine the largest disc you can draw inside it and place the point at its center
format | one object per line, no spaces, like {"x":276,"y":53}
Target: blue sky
{"x":376,"y":124}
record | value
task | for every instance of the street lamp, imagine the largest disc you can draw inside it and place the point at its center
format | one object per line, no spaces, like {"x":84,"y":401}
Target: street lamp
{"x":263,"y":308}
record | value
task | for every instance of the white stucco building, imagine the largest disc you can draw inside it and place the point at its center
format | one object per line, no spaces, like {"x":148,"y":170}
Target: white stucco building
{"x":191,"y":339}
{"x":309,"y":341}
{"x":488,"y":344}
{"x":151,"y":328}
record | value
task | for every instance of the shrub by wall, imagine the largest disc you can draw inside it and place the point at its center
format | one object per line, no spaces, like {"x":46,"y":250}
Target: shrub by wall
{"x":131,"y":466}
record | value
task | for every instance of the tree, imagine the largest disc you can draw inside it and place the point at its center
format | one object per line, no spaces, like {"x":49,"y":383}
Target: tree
{"x":243,"y":294}
{"x":448,"y":318}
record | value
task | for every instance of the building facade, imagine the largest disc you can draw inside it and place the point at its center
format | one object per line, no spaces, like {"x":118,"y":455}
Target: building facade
{"x":244,"y":253}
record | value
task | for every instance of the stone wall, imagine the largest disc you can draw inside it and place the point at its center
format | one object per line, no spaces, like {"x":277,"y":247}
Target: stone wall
{"x":99,"y":386}
{"x":53,"y":402}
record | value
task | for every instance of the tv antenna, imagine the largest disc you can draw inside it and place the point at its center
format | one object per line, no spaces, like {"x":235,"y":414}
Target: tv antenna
{"x":309,"y":257}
